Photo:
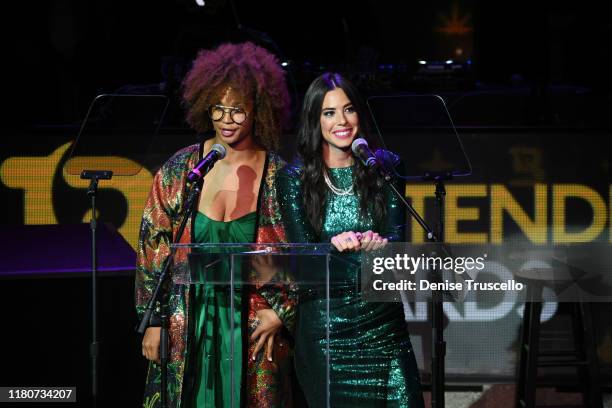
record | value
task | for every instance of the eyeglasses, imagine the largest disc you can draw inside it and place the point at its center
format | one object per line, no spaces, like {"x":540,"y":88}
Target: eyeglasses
{"x":217,"y":112}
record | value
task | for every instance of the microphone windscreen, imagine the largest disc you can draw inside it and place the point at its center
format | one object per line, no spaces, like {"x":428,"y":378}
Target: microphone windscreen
{"x":357,"y":144}
{"x":220,"y":149}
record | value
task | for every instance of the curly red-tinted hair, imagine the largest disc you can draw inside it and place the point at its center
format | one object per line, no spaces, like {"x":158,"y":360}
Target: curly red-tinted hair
{"x":248,"y":69}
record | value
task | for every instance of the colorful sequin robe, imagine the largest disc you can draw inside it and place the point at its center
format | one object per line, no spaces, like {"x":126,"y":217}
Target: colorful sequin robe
{"x":266,"y":382}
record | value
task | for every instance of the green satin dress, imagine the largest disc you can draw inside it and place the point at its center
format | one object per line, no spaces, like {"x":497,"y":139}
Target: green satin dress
{"x":371,"y":360}
{"x":213,"y":334}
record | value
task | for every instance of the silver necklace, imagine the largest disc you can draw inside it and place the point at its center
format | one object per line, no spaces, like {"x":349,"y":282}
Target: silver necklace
{"x":334,"y":189}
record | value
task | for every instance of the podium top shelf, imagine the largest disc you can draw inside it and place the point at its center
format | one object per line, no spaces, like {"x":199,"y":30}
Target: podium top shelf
{"x":258,"y":248}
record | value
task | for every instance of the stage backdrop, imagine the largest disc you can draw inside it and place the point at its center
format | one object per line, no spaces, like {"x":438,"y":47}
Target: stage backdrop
{"x":527,"y":184}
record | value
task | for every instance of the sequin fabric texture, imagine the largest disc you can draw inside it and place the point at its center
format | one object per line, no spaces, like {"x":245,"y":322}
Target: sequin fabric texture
{"x":160,"y":222}
{"x":371,"y":360}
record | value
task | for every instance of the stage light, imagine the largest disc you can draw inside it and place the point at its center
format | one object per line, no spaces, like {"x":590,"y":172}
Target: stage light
{"x":422,"y":62}
{"x":200,"y":3}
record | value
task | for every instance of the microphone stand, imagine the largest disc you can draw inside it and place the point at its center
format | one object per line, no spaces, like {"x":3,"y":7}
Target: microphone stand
{"x":437,"y":330}
{"x":162,"y":284}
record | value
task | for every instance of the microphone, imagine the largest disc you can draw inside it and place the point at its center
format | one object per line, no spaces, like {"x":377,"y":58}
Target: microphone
{"x":217,"y":152}
{"x":361,"y":150}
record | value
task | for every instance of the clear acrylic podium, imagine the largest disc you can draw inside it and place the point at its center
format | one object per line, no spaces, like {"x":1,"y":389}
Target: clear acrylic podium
{"x":309,"y":271}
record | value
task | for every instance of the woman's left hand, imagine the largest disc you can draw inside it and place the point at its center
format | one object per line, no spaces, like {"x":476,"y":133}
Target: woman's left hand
{"x":265,"y":268}
{"x":371,"y":241}
{"x":269,"y":325}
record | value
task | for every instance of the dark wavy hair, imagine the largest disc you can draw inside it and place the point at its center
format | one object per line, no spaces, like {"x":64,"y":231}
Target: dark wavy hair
{"x":368,"y":187}
{"x":252,"y":71}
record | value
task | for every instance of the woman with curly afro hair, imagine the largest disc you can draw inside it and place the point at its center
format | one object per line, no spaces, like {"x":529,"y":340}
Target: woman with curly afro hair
{"x":239,"y":92}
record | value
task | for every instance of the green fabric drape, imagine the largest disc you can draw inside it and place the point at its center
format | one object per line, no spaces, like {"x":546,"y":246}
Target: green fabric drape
{"x":213,"y":316}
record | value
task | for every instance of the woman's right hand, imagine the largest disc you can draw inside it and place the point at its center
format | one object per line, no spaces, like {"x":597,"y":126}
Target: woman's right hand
{"x":347,"y":241}
{"x":150,"y":344}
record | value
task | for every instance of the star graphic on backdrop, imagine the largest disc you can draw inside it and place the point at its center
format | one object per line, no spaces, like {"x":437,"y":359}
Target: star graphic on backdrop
{"x":455,"y":23}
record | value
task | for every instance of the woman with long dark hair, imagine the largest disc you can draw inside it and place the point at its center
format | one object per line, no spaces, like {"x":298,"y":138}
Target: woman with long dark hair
{"x":332,"y":197}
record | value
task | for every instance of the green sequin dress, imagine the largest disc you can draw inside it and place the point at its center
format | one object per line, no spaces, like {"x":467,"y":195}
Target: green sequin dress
{"x":371,"y":360}
{"x":213,"y":334}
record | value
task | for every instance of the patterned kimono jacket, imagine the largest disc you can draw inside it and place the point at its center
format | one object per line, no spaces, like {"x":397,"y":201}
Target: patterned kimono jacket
{"x":266,"y":383}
